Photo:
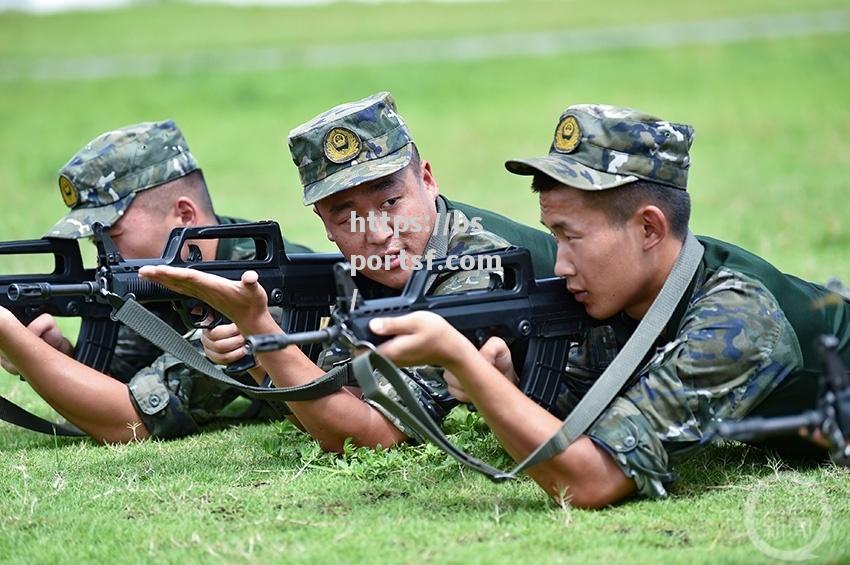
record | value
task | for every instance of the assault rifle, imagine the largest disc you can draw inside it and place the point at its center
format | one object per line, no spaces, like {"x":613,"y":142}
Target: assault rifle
{"x":539,"y":314}
{"x":302,"y":285}
{"x":831,"y":417}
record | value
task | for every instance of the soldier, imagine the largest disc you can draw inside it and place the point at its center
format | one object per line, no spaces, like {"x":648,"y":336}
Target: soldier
{"x":139,"y":181}
{"x":741,"y":341}
{"x":358,"y":162}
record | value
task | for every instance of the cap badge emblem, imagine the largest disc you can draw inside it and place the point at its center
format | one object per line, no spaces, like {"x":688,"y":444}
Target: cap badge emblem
{"x":567,"y":135}
{"x":69,"y":191}
{"x":341,"y":145}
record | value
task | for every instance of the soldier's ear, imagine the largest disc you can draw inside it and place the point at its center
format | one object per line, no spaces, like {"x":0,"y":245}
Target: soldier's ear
{"x":654,"y":225}
{"x":186,"y":211}
{"x":428,"y":179}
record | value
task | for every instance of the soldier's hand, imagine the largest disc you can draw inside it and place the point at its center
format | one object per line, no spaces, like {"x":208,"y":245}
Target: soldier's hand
{"x":240,"y":301}
{"x":422,"y":338}
{"x":496,"y":352}
{"x":456,"y":387}
{"x":223,"y":344}
{"x":816,"y":437}
{"x":44,"y":327}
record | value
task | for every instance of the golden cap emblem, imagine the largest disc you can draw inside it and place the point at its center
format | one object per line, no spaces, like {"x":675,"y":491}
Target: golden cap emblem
{"x":567,"y":135}
{"x":69,"y":191}
{"x":341,"y":145}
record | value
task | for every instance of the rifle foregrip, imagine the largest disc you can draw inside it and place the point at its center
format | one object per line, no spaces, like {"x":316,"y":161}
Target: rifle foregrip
{"x":147,"y":290}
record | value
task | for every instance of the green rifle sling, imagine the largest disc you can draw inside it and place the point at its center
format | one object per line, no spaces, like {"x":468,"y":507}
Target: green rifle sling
{"x":143,"y":322}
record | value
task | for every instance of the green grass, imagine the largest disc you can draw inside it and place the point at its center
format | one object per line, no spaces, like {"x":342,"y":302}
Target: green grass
{"x":265,"y":492}
{"x":167,"y":27}
{"x":770,"y":169}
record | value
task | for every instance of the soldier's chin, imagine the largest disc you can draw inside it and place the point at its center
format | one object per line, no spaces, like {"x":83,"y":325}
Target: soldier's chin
{"x":393,"y":278}
{"x":595,"y":312}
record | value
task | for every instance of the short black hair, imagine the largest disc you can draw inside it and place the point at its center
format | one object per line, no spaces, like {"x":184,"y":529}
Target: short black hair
{"x":159,"y":198}
{"x":620,"y":203}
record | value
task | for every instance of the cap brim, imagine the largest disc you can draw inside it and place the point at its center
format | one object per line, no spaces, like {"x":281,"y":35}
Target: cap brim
{"x":78,"y":222}
{"x":358,"y":174}
{"x":568,"y":171}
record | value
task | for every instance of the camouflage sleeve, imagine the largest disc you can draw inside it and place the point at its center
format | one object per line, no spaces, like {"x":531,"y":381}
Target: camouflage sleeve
{"x":173,"y":400}
{"x":733,"y":347}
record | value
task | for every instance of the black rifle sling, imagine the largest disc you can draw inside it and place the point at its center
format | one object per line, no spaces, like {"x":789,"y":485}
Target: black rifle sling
{"x":143,"y":322}
{"x":603,"y":391}
{"x":14,"y":414}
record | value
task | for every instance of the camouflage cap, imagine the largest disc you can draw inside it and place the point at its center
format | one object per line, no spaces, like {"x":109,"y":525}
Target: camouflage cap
{"x":100,"y":182}
{"x":597,"y":147}
{"x":350,"y":144}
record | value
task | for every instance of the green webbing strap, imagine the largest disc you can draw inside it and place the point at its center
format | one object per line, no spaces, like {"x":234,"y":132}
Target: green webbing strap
{"x":439,"y":240}
{"x":411,"y":412}
{"x":143,"y":322}
{"x":603,"y":391}
{"x":14,"y":414}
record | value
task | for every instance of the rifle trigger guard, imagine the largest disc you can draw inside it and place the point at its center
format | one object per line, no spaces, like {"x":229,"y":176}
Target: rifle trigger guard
{"x":206,"y":312}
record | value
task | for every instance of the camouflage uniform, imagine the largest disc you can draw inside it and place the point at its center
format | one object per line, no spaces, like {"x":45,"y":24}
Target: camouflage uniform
{"x":741,"y":340}
{"x":99,"y":184}
{"x":361,"y":141}
{"x":427,"y":382}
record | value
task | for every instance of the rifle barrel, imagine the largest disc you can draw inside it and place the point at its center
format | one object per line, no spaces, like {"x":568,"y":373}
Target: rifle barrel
{"x":273,"y":342}
{"x":39,"y":291}
{"x":756,"y":428}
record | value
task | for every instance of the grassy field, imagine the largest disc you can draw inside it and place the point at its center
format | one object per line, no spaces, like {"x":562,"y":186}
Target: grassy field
{"x":770,"y":163}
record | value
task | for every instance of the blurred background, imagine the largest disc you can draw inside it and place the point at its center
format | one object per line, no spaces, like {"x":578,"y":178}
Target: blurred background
{"x":765,"y":83}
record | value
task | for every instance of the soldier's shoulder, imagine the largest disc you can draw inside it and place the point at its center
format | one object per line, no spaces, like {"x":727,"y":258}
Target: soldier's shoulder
{"x":734,"y":320}
{"x":469,"y":236}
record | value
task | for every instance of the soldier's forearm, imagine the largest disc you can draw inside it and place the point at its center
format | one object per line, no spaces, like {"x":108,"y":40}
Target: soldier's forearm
{"x":92,"y":401}
{"x":584,"y":472}
{"x":332,"y":418}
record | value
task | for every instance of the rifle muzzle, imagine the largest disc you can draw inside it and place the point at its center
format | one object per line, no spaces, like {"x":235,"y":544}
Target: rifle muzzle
{"x":40,"y":291}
